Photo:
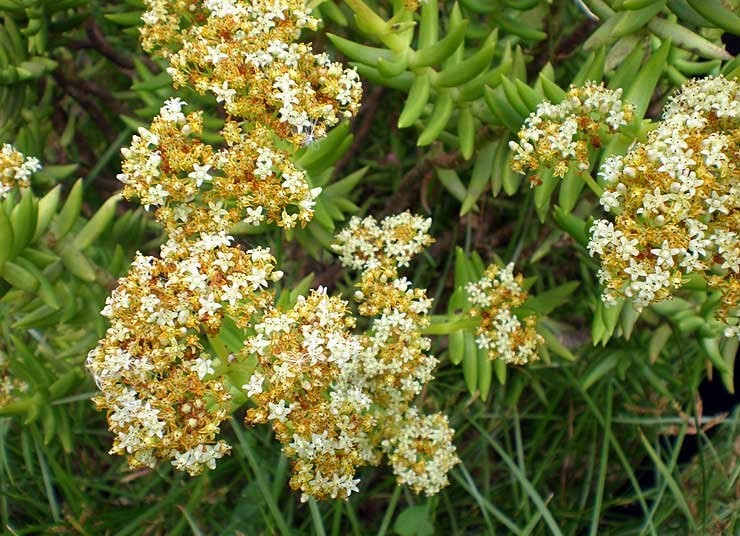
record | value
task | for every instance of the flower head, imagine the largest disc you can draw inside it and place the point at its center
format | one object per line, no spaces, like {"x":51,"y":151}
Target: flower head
{"x":365,"y":243}
{"x":15,"y":169}
{"x":502,"y":332}
{"x":244,"y":54}
{"x":339,"y":400}
{"x":555,"y":135}
{"x":195,"y":188}
{"x":156,"y":378}
{"x":676,"y":202}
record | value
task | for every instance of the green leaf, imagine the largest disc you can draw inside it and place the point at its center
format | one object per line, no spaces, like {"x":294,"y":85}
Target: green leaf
{"x":451,"y":181}
{"x":456,"y":346}
{"x":570,"y":189}
{"x":658,"y":340}
{"x":346,"y":185}
{"x":481,"y":173}
{"x":599,"y":369}
{"x":132,"y":18}
{"x":553,"y":344}
{"x":543,"y":193}
{"x":641,"y":90}
{"x":470,"y":363}
{"x":414,"y":521}
{"x":545,"y":302}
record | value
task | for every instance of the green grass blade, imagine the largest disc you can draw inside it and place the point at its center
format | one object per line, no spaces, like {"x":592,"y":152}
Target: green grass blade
{"x":485,"y":506}
{"x":617,"y":449}
{"x":46,"y":476}
{"x":598,"y":500}
{"x":389,"y":511}
{"x":526,"y":484}
{"x":318,"y":522}
{"x":262,"y":482}
{"x":667,"y":474}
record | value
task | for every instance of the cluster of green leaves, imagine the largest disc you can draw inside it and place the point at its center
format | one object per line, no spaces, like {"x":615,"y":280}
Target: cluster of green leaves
{"x":55,"y":274}
{"x":586,"y":440}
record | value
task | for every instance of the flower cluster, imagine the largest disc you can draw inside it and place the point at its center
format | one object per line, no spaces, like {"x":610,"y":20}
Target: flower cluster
{"x":338,"y":400}
{"x":676,"y":202}
{"x":244,"y":53}
{"x":421,"y":451}
{"x":277,"y":94}
{"x":196,"y":188}
{"x":396,"y":365}
{"x":501,"y":331}
{"x":166,"y":394}
{"x":365,"y":244}
{"x":158,"y":383}
{"x":15,"y":169}
{"x":10,"y":385}
{"x":300,"y":387}
{"x":557,"y":134}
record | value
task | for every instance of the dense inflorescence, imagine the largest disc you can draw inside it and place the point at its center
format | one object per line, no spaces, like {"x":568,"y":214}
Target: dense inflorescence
{"x":160,"y":384}
{"x":299,"y":387}
{"x":676,"y":203}
{"x":15,"y":169}
{"x":339,"y":400}
{"x":11,"y":387}
{"x":395,"y":364}
{"x":244,"y":53}
{"x":156,"y":375}
{"x":336,"y":399}
{"x":196,"y":188}
{"x":557,"y":134}
{"x":421,"y":451}
{"x":277,"y":95}
{"x":366,"y":244}
{"x":502,"y":332}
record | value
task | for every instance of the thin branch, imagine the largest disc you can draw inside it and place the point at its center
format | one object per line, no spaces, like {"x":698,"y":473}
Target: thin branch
{"x":369,"y":108}
{"x":101,"y":44}
{"x":407,"y":191}
{"x":88,"y":103}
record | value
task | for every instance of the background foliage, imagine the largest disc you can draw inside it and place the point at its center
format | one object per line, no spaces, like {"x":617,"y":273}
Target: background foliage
{"x":619,"y":429}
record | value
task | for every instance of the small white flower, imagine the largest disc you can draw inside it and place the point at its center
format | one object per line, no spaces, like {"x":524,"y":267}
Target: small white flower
{"x":279,"y":411}
{"x":202,"y":366}
{"x":224,"y":93}
{"x":215,"y":55}
{"x":254,"y":387}
{"x":200,"y":174}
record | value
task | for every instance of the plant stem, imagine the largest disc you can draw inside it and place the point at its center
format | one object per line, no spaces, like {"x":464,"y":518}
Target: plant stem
{"x":389,"y":511}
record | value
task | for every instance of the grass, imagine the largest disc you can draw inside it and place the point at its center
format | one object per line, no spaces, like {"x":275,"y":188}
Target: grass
{"x":577,"y":462}
{"x":592,"y":445}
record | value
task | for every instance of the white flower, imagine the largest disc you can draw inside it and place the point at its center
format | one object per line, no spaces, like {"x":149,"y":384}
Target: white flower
{"x":279,"y":411}
{"x":716,"y":203}
{"x":214,"y":54}
{"x":224,"y":93}
{"x":254,"y":387}
{"x":609,"y":199}
{"x":193,"y":460}
{"x":200,"y":174}
{"x":208,"y":305}
{"x":665,"y":253}
{"x":254,"y":216}
{"x":202,"y":366}
{"x":172,"y":110}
